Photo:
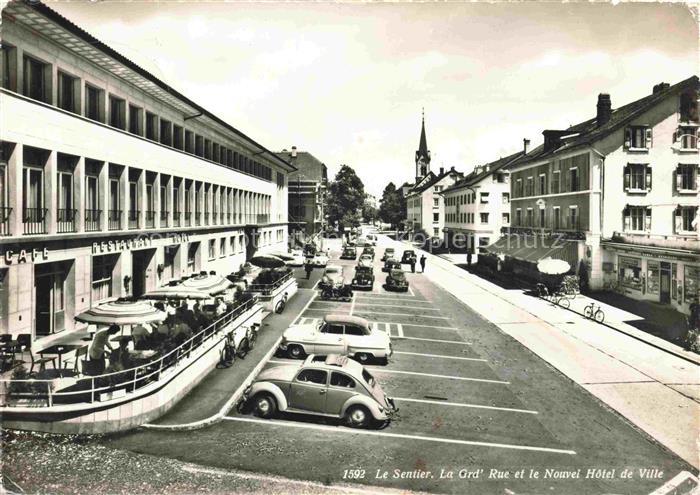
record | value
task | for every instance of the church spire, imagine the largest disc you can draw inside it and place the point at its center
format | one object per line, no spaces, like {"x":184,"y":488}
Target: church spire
{"x":423,"y":154}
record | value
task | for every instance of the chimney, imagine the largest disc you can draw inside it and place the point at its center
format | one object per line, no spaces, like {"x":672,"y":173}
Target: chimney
{"x":604,"y":109}
{"x":294,"y":151}
{"x":442,"y":170}
{"x":526,"y":146}
{"x":661,"y":87}
{"x":552,"y":140}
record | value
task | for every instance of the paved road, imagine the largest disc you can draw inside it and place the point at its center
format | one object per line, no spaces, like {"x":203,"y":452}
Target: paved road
{"x":474,"y":402}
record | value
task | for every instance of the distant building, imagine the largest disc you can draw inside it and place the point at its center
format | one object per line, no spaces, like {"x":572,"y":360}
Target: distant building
{"x":307,"y":193}
{"x":620,"y":192}
{"x":477,"y":207}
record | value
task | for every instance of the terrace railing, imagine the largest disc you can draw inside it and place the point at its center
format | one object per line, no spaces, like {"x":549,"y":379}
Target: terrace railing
{"x":65,"y":219}
{"x":5,"y":220}
{"x":92,"y":220}
{"x":34,"y":220}
{"x":40,"y":393}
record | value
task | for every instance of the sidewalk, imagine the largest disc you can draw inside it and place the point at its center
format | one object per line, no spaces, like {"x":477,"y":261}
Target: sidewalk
{"x":655,"y":389}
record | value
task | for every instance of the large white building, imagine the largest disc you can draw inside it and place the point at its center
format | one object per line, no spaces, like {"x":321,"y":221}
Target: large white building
{"x":111,"y":182}
{"x":477,"y":207}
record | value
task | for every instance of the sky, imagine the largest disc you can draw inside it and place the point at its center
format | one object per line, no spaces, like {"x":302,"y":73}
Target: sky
{"x":347,"y":81}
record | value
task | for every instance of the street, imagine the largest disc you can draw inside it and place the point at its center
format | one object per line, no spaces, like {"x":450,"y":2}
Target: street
{"x":478,"y":412}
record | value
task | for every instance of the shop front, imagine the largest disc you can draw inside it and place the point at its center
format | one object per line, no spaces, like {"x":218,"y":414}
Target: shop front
{"x":653,"y":274}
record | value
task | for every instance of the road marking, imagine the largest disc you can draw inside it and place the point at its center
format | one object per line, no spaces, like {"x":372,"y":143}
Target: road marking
{"x":408,"y":300}
{"x":305,"y":308}
{"x":461,"y":404}
{"x":395,"y":306}
{"x":437,"y":340}
{"x":352,"y":431}
{"x":411,"y":291}
{"x":432,"y":375}
{"x":403,"y":314}
{"x":332,"y":302}
{"x":236,"y":395}
{"x":352,"y":304}
{"x":439,"y":356}
{"x":399,"y":330}
{"x":390,"y":295}
{"x":419,"y":325}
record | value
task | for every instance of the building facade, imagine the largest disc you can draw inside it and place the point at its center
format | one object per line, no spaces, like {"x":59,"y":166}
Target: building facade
{"x":111,"y":182}
{"x":624,"y":187}
{"x":425,"y":206}
{"x":308,"y":186}
{"x":477,"y":207}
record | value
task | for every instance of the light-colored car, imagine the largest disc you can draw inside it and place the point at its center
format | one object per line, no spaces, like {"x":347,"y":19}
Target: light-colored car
{"x":371,"y":239}
{"x":290,"y":259}
{"x":332,"y":386}
{"x":332,"y":277}
{"x":365,"y":258}
{"x":319,"y":259}
{"x":337,"y":334}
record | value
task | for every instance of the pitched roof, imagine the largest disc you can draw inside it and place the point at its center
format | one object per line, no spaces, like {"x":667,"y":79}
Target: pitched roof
{"x":486,"y":170}
{"x":588,"y":131}
{"x":307,"y":165}
{"x":423,"y":144}
{"x":433,"y":180}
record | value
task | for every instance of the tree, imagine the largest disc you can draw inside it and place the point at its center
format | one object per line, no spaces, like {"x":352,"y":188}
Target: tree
{"x":391,"y":205}
{"x":369,"y":212}
{"x":346,"y":196}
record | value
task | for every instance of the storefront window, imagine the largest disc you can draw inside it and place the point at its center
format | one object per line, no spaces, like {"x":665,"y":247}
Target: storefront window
{"x":652,"y":278}
{"x":692,"y":279}
{"x":102,"y":268}
{"x":630,"y":272}
{"x":674,"y":281}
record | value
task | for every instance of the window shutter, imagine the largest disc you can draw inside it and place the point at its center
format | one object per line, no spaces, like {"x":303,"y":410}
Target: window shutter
{"x":648,"y":137}
{"x":627,"y":219}
{"x":627,"y":177}
{"x":647,"y":219}
{"x":697,"y":138}
{"x":679,"y":180}
{"x":697,"y":178}
{"x":677,"y":220}
{"x":628,"y":137}
{"x":676,"y":133}
{"x":647,"y":176}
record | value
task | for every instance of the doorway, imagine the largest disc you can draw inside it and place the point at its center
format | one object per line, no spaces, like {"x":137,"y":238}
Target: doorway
{"x":50,"y":301}
{"x":665,"y":283}
{"x":141,"y":271}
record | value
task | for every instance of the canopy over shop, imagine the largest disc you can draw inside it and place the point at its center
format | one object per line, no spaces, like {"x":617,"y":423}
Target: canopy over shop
{"x":521,"y":253}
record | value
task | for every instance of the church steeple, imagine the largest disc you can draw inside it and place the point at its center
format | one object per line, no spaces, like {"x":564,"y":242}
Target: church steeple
{"x":423,"y":154}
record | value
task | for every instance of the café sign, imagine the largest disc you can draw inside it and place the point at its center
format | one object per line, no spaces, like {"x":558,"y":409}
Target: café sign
{"x":140,"y":242}
{"x":25,"y":255}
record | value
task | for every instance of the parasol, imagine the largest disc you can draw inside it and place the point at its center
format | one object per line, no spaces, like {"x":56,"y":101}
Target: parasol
{"x":176,"y":292}
{"x":122,"y":313}
{"x":211,"y":284}
{"x":267,"y":261}
{"x":552,"y":266}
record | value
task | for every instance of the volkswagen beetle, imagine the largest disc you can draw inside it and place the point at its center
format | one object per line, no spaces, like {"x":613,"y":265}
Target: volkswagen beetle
{"x":332,"y":386}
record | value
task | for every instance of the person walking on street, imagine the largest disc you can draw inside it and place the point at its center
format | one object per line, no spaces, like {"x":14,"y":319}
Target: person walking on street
{"x":469,"y":258}
{"x":422,"y":264}
{"x":413,"y":264}
{"x":308,"y":269}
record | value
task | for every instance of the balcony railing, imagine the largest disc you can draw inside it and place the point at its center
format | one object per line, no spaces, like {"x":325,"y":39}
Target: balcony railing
{"x":89,"y":389}
{"x":164,"y":218}
{"x":188,"y":219}
{"x":65,"y":219}
{"x":176,"y":219}
{"x":114,"y":220}
{"x":222,"y":217}
{"x":197,"y":218}
{"x":215,"y":218}
{"x":92,"y":220}
{"x":5,"y":220}
{"x":228,"y":218}
{"x":150,"y":219}
{"x":206,"y":217}
{"x":34,"y":220}
{"x":134,"y":219}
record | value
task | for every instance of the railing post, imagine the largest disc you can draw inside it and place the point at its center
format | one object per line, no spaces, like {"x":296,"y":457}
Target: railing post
{"x":92,"y":390}
{"x":48,"y":391}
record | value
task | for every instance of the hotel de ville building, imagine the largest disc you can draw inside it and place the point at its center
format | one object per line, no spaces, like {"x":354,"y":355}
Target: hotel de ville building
{"x":112,"y":183}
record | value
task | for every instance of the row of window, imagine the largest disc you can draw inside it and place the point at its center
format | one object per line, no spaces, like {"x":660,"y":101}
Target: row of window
{"x":117,"y":112}
{"x":469,"y":218}
{"x":638,"y":177}
{"x":538,"y":219}
{"x":638,"y":219}
{"x":640,"y":138}
{"x":470,"y":198}
{"x":133,"y":198}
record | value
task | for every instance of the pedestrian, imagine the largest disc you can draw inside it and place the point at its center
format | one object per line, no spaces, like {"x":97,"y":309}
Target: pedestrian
{"x":422,"y":264}
{"x":413,"y":264}
{"x":469,"y":258}
{"x":308,"y":269}
{"x":694,"y":317}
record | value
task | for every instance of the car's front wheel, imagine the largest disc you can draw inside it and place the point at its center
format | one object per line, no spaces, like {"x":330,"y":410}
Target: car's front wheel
{"x":296,"y":352}
{"x":358,"y":417}
{"x":265,"y":406}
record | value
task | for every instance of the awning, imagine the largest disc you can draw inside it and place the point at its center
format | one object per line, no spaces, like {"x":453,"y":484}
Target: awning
{"x":122,"y":313}
{"x":535,"y":248}
{"x":211,"y":284}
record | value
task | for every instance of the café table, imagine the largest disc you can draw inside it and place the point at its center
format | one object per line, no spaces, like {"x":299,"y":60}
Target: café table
{"x":60,"y":350}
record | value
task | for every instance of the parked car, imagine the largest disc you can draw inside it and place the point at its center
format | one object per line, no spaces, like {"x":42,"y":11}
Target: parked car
{"x":327,"y":386}
{"x":391,"y":264}
{"x":396,"y":280}
{"x":293,"y":258}
{"x":364,"y":275}
{"x":349,"y":253}
{"x":337,"y":334}
{"x":319,"y":259}
{"x":332,"y":277}
{"x":371,"y":239}
{"x":388,"y":253}
{"x":368,"y":250}
{"x":407,"y":255}
{"x":367,"y":258}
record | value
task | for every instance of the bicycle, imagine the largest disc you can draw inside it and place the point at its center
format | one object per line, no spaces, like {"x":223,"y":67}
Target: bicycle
{"x":592,"y":313}
{"x":542,"y":291}
{"x":561,"y":299}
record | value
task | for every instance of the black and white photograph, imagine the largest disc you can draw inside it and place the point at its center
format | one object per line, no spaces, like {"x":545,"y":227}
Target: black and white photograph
{"x":349,"y":247}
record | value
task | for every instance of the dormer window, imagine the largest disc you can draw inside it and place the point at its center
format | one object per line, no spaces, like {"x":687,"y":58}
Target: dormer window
{"x":638,"y":137}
